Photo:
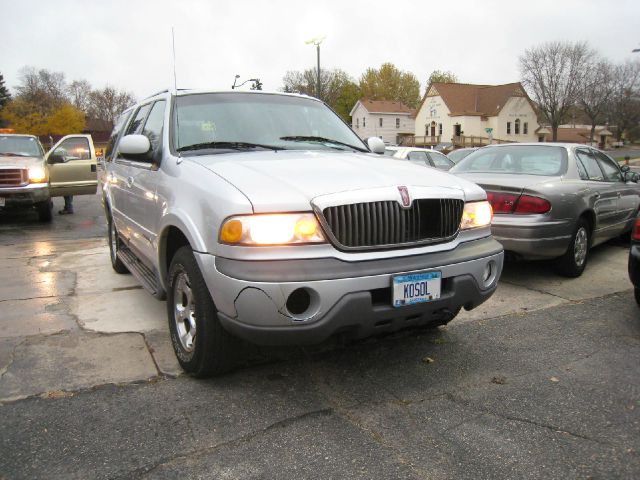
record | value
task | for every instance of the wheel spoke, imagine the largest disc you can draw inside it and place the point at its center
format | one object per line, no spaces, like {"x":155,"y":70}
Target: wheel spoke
{"x":184,"y":317}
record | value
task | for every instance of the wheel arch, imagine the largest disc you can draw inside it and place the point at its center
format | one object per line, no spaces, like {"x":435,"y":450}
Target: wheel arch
{"x":175,"y":234}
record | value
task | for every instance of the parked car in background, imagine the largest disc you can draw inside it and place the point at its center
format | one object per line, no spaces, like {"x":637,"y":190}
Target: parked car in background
{"x":554,"y":200}
{"x":29,"y":177}
{"x":634,"y":259}
{"x":421,"y":156}
{"x":444,"y":147}
{"x":263,"y":216}
{"x":459,"y":153}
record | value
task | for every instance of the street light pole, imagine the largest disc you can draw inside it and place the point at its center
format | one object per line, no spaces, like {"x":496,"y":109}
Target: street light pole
{"x":317,"y":41}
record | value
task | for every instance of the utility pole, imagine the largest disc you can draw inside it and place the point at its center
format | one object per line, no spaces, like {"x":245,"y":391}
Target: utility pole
{"x":317,"y":41}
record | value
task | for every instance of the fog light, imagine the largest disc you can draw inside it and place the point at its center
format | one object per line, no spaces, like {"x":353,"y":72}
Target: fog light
{"x":489,"y":274}
{"x":299,"y":301}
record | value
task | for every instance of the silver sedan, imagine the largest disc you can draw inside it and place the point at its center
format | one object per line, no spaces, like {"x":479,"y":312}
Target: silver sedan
{"x":553,"y":199}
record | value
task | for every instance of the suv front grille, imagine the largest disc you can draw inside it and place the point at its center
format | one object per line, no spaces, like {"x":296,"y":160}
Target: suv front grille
{"x":386,"y":224}
{"x":13,"y":177}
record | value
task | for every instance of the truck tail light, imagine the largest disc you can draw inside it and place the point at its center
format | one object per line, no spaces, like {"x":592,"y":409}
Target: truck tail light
{"x":636,"y":230}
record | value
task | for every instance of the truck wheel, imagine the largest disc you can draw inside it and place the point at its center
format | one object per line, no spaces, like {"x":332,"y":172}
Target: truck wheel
{"x":203,"y":347}
{"x":114,"y":246}
{"x":574,"y":261}
{"x":636,"y":292}
{"x":45,"y":213}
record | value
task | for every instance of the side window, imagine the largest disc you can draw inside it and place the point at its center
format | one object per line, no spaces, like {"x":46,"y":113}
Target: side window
{"x":74,"y":149}
{"x":120,"y":123}
{"x":589,"y":165}
{"x":419,"y":156}
{"x":136,"y":125}
{"x":153,"y":129}
{"x":440,"y":161}
{"x":611,"y":171}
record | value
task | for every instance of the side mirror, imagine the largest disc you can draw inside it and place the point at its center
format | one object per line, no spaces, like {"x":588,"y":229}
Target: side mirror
{"x":134,"y":145}
{"x":630,"y":176}
{"x":54,"y":158}
{"x":625,"y":168}
{"x":376,"y":145}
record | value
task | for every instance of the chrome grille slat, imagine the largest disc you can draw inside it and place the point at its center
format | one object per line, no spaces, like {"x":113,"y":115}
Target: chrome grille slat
{"x":386,"y":224}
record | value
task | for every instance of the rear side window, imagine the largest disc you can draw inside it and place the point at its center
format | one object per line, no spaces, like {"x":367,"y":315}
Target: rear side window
{"x":439,"y":160}
{"x":419,"y":156}
{"x":136,"y":125}
{"x":588,"y":166}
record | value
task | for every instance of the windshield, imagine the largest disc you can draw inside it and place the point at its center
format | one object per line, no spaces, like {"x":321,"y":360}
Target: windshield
{"x":18,"y":146}
{"x":516,"y":159}
{"x":243,"y":121}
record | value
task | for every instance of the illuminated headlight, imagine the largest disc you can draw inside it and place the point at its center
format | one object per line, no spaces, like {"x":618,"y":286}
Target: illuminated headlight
{"x":37,"y":175}
{"x":271,"y":229}
{"x":476,"y":214}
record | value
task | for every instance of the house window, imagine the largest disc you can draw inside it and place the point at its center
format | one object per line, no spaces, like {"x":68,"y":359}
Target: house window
{"x":380,"y":121}
{"x":525,"y":128}
{"x":364,"y":122}
{"x":508,"y":128}
{"x":440,"y":129}
{"x":516,"y":127}
{"x":397,"y":122}
{"x":357,"y":123}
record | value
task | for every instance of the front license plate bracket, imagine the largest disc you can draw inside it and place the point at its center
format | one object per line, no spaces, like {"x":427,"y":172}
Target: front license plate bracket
{"x":415,"y":288}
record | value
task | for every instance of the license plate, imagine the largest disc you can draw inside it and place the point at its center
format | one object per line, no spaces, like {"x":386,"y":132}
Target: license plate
{"x":416,"y":288}
{"x":2,"y":201}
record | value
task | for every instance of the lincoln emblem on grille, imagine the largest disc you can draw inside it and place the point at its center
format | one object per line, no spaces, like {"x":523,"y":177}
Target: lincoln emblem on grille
{"x":404,"y":193}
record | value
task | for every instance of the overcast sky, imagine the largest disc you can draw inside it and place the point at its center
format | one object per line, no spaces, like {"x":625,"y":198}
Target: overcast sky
{"x":127,"y":44}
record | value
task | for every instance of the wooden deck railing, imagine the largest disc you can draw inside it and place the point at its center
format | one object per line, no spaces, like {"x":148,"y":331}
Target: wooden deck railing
{"x":473,"y":141}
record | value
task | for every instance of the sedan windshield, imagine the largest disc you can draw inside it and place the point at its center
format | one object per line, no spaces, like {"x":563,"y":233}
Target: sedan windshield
{"x":516,"y":159}
{"x":18,"y":146}
{"x":226,"y":122}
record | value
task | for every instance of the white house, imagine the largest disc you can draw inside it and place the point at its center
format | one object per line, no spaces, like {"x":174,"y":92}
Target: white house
{"x":391,"y":121}
{"x":464,"y":114}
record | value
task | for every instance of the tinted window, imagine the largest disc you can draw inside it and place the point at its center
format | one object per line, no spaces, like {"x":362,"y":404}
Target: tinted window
{"x":588,"y":164}
{"x":136,"y":125}
{"x":153,"y":129}
{"x":74,"y":149}
{"x":517,"y":159}
{"x":120,"y":123}
{"x":611,"y":171}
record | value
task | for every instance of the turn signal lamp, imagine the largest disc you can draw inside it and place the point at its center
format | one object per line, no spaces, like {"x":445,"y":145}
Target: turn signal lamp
{"x":476,"y":214}
{"x":271,"y":229}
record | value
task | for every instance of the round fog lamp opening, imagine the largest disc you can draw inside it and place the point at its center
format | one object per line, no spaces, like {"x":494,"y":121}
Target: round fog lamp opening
{"x":489,"y":274}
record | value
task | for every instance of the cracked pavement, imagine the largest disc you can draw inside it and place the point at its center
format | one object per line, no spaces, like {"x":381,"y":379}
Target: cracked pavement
{"x":540,"y":382}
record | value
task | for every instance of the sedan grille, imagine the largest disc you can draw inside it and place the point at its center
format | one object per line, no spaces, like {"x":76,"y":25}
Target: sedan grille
{"x":386,"y":224}
{"x":13,"y":177}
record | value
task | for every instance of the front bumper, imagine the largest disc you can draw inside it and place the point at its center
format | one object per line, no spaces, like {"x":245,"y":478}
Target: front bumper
{"x":532,"y":236}
{"x":351,"y":297}
{"x":25,"y":196}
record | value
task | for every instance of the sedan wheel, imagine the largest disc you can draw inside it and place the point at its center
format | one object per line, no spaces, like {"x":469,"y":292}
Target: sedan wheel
{"x":574,"y":261}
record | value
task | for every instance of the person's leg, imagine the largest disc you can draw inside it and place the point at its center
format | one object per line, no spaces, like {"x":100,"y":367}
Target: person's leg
{"x":68,"y":205}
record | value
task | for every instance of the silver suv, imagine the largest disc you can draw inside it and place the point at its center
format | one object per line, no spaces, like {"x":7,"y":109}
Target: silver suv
{"x":264,"y":216}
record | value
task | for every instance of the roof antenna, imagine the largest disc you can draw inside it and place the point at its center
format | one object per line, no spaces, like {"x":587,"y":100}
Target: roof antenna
{"x":173,"y":44}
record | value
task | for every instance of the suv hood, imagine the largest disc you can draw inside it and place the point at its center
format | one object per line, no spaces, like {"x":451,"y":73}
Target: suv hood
{"x":290,"y":180}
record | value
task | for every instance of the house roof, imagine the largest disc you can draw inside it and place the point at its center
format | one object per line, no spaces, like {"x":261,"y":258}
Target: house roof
{"x":468,"y":99}
{"x":383,"y":106}
{"x":580,"y":134}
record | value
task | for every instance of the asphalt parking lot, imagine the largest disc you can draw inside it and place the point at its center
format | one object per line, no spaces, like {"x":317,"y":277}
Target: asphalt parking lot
{"x":539,"y":382}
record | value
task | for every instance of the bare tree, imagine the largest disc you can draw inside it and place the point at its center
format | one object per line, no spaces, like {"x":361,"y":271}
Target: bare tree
{"x":79,"y":93}
{"x":108,"y":103}
{"x":597,"y":89}
{"x":553,"y":74}
{"x":44,"y":90}
{"x":625,"y":99}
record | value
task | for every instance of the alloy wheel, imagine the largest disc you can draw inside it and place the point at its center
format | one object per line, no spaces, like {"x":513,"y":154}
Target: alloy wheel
{"x":184,"y":312}
{"x":580,"y":246}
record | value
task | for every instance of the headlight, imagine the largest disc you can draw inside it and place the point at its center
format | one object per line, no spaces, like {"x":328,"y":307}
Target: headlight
{"x":37,"y":175}
{"x":476,"y":214}
{"x":271,"y":229}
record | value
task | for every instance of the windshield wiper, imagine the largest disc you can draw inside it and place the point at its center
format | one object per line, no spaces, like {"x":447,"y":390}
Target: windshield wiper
{"x":225,"y":145}
{"x":312,"y":139}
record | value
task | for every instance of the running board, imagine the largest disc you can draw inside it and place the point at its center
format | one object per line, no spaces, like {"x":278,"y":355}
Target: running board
{"x":139,"y":270}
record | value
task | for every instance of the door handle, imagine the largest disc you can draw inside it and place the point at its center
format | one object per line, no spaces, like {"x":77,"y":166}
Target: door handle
{"x":597,"y":195}
{"x":129,"y":182}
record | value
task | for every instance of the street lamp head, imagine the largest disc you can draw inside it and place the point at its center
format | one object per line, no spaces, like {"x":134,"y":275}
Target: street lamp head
{"x":316,"y":40}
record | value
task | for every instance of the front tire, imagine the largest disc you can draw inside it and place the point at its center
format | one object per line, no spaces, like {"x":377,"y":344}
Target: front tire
{"x":636,"y":292}
{"x":574,"y":261}
{"x":203,"y":347}
{"x":114,"y":246}
{"x":45,"y":211}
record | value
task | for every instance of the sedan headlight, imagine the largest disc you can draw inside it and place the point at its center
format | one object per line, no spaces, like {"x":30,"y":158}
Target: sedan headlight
{"x":476,"y":214}
{"x":37,"y":174}
{"x":271,"y":229}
